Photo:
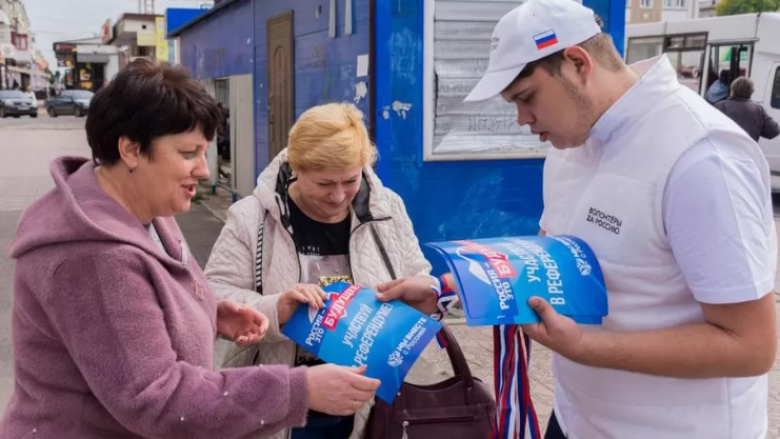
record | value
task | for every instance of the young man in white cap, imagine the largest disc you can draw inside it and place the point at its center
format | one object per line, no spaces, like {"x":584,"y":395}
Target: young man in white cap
{"x":675,"y":200}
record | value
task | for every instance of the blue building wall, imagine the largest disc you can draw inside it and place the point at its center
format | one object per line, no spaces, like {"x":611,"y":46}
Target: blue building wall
{"x":325,"y":68}
{"x":452,"y":200}
{"x":220,"y":45}
{"x":613,"y":14}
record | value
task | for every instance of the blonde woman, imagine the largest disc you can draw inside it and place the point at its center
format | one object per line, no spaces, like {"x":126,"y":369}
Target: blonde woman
{"x":323,"y":215}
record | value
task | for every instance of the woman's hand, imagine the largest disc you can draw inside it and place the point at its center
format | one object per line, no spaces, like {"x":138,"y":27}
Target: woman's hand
{"x":338,"y":390}
{"x":300,"y":293}
{"x":242,"y":324}
{"x":414,"y":291}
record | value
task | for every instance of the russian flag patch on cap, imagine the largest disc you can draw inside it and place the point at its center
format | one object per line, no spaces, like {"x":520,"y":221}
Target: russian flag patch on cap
{"x":545,"y":39}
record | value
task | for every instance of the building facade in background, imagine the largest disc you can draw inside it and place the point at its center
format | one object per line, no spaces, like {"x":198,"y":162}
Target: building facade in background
{"x":135,"y":35}
{"x":87,"y":63}
{"x":21,"y":66}
{"x":648,"y":11}
{"x":707,"y":8}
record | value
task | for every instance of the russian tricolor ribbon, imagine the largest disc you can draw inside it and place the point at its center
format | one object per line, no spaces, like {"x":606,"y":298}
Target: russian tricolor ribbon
{"x":515,"y":414}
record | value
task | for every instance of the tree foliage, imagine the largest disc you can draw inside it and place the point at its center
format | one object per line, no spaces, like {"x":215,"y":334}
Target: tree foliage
{"x":736,"y":7}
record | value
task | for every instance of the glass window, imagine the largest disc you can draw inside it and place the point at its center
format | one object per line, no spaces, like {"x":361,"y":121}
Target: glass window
{"x":696,"y":41}
{"x":689,"y":69}
{"x":776,"y":90}
{"x":5,"y":34}
{"x":688,"y":66}
{"x":675,"y":42}
{"x":721,"y":60}
{"x":646,"y":4}
{"x":640,"y":49}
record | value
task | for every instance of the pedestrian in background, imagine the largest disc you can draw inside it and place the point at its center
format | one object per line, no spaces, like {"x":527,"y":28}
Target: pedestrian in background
{"x":749,"y":115}
{"x":719,"y":90}
{"x":31,"y":94}
{"x":114,"y":323}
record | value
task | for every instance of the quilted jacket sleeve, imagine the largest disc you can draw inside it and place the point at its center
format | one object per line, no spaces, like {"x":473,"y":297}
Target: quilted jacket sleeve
{"x":414,"y":263}
{"x":231,"y":267}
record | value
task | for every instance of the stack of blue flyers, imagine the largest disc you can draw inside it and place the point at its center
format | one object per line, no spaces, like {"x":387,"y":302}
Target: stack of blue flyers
{"x":497,"y":276}
{"x":355,"y":329}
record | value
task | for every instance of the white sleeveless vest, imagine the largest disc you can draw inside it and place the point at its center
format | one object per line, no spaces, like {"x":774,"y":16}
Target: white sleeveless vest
{"x":609,"y":192}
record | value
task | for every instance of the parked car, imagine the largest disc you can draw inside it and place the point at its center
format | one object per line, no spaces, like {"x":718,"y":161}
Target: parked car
{"x":75,"y":102}
{"x":15,"y":103}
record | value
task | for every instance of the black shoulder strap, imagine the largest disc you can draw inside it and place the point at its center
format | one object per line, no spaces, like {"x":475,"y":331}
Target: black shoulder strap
{"x":259,"y":258}
{"x":383,"y":252}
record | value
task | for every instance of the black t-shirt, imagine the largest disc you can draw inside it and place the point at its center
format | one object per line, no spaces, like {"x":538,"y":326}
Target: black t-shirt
{"x":323,"y":249}
{"x":314,"y":238}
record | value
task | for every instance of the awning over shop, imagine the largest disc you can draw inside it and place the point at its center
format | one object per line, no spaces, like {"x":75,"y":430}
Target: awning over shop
{"x":26,"y":71}
{"x":99,"y":58}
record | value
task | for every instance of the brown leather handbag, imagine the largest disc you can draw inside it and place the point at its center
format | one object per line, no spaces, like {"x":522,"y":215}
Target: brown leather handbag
{"x":459,"y":407}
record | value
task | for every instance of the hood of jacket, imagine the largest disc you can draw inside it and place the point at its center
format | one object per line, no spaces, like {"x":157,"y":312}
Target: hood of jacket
{"x":273,"y":182}
{"x":78,"y":210}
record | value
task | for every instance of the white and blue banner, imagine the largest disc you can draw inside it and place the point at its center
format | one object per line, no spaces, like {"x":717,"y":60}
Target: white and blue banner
{"x":497,"y":276}
{"x":355,"y":329}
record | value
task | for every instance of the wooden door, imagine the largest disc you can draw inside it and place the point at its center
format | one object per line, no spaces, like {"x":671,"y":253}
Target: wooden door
{"x":281,"y":78}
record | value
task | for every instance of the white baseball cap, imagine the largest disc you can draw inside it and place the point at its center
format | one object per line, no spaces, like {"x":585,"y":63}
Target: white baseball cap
{"x":530,"y":32}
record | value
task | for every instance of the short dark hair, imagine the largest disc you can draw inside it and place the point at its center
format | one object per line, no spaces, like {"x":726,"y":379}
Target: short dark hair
{"x":743,"y":87}
{"x":147,"y":100}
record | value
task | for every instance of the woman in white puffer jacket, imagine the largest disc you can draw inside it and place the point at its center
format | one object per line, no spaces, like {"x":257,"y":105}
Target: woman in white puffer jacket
{"x":323,"y":215}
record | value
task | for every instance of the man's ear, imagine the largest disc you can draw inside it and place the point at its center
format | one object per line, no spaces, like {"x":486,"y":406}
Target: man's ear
{"x":581,"y":61}
{"x":129,"y":152}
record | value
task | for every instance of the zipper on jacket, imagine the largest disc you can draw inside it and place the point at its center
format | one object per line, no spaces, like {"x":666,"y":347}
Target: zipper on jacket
{"x":297,"y":256}
{"x":282,"y":222}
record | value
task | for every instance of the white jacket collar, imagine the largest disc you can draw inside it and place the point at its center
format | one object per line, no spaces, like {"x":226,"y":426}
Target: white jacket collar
{"x":370,"y":203}
{"x":658,"y":80}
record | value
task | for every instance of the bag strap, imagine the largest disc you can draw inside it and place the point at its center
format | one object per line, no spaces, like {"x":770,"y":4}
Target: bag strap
{"x":259,"y":257}
{"x":383,"y":252}
{"x":460,"y":366}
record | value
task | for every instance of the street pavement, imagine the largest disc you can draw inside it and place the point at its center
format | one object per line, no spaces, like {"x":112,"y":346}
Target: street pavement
{"x":43,"y":121}
{"x":28,"y":146}
{"x":24,"y":177}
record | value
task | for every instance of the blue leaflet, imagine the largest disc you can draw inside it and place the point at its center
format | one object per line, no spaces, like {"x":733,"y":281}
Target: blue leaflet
{"x":497,"y":276}
{"x":354,"y":329}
